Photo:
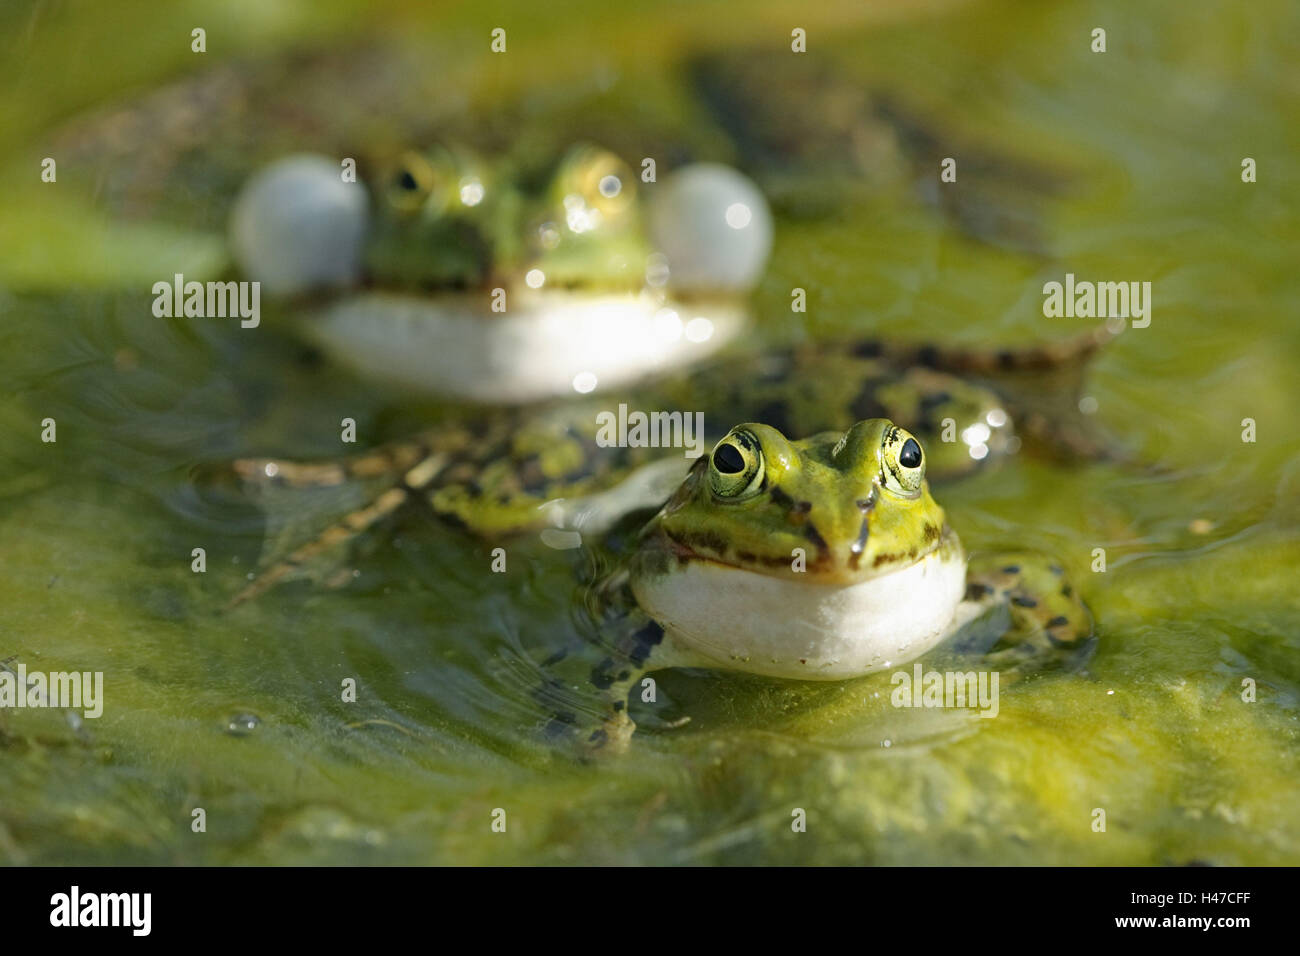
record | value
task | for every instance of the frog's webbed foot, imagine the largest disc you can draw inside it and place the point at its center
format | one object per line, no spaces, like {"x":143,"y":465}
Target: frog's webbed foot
{"x":1044,"y":622}
{"x":322,"y":558}
{"x":306,"y":538}
{"x":612,"y":738}
{"x":591,"y":733}
{"x":596,"y":724}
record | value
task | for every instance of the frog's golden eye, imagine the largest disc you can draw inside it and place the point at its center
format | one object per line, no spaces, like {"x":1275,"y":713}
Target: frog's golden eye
{"x":412,"y":180}
{"x":902,"y":462}
{"x":594,"y":180}
{"x":431,"y":181}
{"x":736,"y":466}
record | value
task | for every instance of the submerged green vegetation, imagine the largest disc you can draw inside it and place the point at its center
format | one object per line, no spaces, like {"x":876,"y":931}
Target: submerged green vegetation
{"x":240,"y":712}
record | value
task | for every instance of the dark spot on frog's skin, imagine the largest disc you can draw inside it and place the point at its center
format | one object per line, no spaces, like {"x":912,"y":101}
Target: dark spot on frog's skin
{"x":887,"y":558}
{"x":1006,"y":358}
{"x":598,"y":737}
{"x":928,"y":355}
{"x":975,"y":591}
{"x":869,"y":349}
{"x":559,"y":725}
{"x":798,"y":509}
{"x":894,"y":471}
{"x":644,"y":641}
{"x":1011,"y":569}
{"x":618,"y":706}
{"x":812,"y":534}
{"x":1021,"y":601}
{"x":601,"y":676}
{"x":930,"y":534}
{"x":1056,"y":569}
{"x":1065,"y":638}
{"x":705,"y":541}
{"x":1067,"y":641}
{"x":803,"y":660}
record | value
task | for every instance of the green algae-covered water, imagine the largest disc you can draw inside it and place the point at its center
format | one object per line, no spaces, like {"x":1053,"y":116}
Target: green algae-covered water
{"x":240,"y":713}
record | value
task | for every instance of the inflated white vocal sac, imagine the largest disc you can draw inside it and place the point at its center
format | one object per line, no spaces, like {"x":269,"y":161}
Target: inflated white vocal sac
{"x":298,"y":226}
{"x":714,"y":226}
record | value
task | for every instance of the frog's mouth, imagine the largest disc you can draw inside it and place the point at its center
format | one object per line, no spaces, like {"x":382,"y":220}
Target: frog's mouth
{"x":821,"y":568}
{"x":806,"y":628}
{"x":548,"y":343}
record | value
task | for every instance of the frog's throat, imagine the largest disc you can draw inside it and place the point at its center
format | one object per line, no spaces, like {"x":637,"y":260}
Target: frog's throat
{"x":784,"y":627}
{"x":545,"y":344}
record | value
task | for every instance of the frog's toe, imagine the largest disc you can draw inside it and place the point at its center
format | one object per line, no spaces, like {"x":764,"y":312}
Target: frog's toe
{"x":1048,"y":621}
{"x":611,"y":739}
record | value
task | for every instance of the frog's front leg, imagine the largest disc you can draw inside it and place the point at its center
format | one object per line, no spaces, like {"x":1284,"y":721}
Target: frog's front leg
{"x":1045,"y":620}
{"x":604,"y":674}
{"x":615,"y":678}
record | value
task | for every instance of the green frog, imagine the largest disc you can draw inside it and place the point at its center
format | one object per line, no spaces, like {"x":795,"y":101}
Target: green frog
{"x":561,"y":468}
{"x":484,"y":280}
{"x":821,"y":559}
{"x":468,"y":248}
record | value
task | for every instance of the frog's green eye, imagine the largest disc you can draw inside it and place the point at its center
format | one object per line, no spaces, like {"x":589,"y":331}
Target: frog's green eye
{"x":736,"y":466}
{"x":411,"y":183}
{"x":432,"y":181}
{"x":902,"y":462}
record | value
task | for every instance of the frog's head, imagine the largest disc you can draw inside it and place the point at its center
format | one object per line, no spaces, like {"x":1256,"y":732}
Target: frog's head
{"x":444,"y":219}
{"x":503,"y":282}
{"x":818,"y":558}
